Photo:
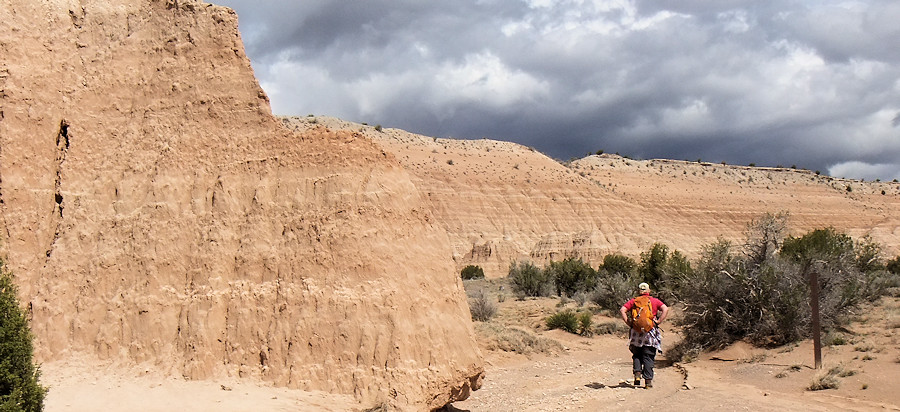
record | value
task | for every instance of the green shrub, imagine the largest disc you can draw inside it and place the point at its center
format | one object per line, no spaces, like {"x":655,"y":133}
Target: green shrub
{"x":653,"y":264}
{"x":618,"y":264}
{"x":893,"y":265}
{"x":834,"y":339}
{"x":527,"y":280}
{"x":617,"y":282}
{"x":472,"y":272}
{"x":565,"y":320}
{"x":571,"y":276}
{"x":19,"y":386}
{"x":585,"y":320}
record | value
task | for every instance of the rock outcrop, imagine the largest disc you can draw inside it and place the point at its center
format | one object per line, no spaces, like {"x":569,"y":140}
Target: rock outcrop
{"x":155,"y":212}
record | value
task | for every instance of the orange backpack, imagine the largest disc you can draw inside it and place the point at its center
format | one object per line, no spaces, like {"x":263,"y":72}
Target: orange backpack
{"x":642,"y":314}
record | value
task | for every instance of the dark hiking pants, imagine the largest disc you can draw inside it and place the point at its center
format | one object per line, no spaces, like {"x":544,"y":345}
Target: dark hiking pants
{"x":643,"y":358}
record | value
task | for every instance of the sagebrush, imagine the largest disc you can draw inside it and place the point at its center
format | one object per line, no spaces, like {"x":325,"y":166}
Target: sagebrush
{"x":759,"y":291}
{"x":481,"y":306}
{"x":527,"y":280}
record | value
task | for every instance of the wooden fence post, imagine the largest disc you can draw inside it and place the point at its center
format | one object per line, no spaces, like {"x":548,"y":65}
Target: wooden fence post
{"x":816,"y":326}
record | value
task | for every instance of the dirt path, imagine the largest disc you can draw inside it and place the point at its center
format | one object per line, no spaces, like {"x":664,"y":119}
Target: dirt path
{"x":595,"y":377}
{"x":593,"y":374}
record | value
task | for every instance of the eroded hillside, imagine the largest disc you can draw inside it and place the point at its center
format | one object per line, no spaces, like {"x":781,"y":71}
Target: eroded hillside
{"x":502,"y":202}
{"x":154,"y":212}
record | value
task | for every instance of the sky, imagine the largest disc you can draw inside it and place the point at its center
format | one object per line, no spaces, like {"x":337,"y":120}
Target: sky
{"x":813,"y":84}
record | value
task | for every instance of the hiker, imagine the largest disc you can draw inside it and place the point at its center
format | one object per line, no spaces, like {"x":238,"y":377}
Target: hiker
{"x":644,"y":314}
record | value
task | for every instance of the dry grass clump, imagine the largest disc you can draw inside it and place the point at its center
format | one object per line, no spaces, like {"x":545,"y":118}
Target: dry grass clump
{"x":611,"y":328}
{"x":829,"y":379}
{"x":792,"y":368}
{"x":513,"y":339}
{"x":481,"y":306}
{"x":863,"y":348}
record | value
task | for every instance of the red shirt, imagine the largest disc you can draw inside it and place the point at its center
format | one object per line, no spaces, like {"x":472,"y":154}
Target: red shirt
{"x":655,"y":304}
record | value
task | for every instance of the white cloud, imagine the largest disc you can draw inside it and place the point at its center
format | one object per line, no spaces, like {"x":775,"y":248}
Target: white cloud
{"x":812,"y":83}
{"x":861,"y":170}
{"x":483,"y":78}
{"x":735,"y":21}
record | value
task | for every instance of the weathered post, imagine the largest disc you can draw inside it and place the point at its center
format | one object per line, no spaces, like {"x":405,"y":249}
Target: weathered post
{"x":816,"y":327}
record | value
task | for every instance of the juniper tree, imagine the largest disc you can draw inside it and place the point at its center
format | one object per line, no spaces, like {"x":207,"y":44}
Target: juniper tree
{"x":19,"y":387}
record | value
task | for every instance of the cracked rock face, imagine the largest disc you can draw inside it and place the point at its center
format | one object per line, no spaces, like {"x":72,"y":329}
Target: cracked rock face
{"x":155,"y":212}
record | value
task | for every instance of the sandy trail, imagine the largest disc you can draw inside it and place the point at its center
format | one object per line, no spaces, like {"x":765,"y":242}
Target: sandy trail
{"x":593,"y":374}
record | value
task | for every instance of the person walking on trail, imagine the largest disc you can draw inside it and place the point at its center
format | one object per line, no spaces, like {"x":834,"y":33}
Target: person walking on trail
{"x":644,"y":314}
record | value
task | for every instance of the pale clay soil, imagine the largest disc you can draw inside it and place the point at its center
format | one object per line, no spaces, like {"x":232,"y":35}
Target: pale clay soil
{"x":585,"y":374}
{"x":594,"y":374}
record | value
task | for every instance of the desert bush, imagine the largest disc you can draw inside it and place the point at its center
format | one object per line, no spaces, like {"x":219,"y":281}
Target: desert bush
{"x":527,"y":280}
{"x":581,"y":298}
{"x":613,"y":291}
{"x":868,"y":255}
{"x":481,"y":306}
{"x":616,"y":282}
{"x":571,"y":276}
{"x":19,"y":386}
{"x":762,"y":294}
{"x":834,"y":339}
{"x":765,"y":236}
{"x":893,"y":266}
{"x":565,"y":320}
{"x":666,"y":270}
{"x":849,"y":272}
{"x":585,"y":320}
{"x":727,"y":300}
{"x":472,"y":272}
{"x":653,"y":263}
{"x":618,"y":264}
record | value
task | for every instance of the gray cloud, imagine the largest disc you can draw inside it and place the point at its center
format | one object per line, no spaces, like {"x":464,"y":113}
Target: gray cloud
{"x":809,"y":83}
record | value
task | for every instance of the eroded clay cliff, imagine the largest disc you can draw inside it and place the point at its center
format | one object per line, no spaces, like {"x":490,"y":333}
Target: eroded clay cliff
{"x":155,"y":212}
{"x":502,"y":202}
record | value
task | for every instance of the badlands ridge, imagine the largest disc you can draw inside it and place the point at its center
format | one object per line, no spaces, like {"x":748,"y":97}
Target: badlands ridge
{"x":501,"y":202}
{"x":156,"y":214}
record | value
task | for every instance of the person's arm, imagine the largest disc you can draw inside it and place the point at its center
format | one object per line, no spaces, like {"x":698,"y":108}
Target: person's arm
{"x":663,"y":313}
{"x":624,"y":311}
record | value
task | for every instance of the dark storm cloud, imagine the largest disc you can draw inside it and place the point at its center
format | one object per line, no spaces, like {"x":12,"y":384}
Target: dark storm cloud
{"x":811,"y":83}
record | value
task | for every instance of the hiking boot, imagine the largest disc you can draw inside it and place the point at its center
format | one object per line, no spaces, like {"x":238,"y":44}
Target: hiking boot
{"x":637,"y":379}
{"x":648,"y":383}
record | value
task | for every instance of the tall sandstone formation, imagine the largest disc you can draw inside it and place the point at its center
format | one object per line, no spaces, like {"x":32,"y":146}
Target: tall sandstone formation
{"x":155,"y":212}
